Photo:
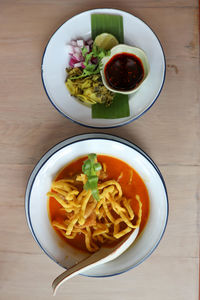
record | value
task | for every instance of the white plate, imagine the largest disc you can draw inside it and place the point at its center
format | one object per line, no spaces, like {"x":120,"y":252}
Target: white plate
{"x":61,"y":154}
{"x":56,"y":58}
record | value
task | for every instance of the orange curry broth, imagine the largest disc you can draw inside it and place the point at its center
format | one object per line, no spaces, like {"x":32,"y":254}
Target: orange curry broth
{"x":114,"y":167}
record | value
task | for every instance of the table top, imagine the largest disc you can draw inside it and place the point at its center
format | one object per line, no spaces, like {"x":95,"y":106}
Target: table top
{"x":169,"y":132}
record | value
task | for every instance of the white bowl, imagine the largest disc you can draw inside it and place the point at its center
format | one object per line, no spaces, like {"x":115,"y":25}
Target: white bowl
{"x":122,"y":48}
{"x":63,"y":153}
{"x":56,"y":59}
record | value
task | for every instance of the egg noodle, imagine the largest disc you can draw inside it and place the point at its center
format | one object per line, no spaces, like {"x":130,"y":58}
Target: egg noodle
{"x":103,"y":221}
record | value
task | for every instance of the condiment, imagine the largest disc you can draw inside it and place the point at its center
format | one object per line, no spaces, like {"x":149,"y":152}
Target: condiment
{"x":124,"y":71}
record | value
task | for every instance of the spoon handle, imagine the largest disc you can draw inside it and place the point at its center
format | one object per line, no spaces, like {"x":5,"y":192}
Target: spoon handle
{"x":84,"y":265}
{"x":102,"y":256}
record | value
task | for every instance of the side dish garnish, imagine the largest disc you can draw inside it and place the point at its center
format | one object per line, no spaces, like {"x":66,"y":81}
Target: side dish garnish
{"x":75,"y":52}
{"x":92,"y":209}
{"x":84,"y":80}
{"x":86,"y":63}
{"x":92,"y":60}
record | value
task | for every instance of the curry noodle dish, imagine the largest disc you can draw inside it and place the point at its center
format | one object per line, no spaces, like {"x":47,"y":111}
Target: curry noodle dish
{"x":96,"y":201}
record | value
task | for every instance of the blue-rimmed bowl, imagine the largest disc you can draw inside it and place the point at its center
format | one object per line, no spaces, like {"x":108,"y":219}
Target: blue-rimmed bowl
{"x":56,"y":58}
{"x":40,"y":182}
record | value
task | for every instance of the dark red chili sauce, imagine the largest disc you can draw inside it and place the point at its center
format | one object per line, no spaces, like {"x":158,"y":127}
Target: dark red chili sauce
{"x":124,"y":71}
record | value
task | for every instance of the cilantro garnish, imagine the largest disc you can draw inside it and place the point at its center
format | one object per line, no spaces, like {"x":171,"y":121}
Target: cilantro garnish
{"x":90,"y":168}
{"x":92,"y":68}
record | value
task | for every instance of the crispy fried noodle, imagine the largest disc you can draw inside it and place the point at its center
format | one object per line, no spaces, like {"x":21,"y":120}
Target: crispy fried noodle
{"x":101,"y":221}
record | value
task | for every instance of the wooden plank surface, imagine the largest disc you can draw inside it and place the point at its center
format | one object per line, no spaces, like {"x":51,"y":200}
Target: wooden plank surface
{"x":169,"y":133}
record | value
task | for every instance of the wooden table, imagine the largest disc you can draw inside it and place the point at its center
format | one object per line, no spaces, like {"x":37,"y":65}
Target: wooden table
{"x":169,"y":133}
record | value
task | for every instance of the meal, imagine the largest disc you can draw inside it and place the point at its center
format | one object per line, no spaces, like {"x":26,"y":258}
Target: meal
{"x":124,"y":72}
{"x":84,"y":80}
{"x":96,"y":201}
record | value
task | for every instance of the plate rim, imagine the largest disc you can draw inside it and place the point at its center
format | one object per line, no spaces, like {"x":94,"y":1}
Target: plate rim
{"x":121,"y":123}
{"x":67,"y":142}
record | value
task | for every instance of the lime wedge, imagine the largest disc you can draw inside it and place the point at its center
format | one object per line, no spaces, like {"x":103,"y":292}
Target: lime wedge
{"x":106,"y":41}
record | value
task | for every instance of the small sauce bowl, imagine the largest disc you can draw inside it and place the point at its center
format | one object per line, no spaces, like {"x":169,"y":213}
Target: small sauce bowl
{"x":125,"y":69}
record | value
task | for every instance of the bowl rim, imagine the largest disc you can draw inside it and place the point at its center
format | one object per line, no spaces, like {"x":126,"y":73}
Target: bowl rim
{"x":67,"y":142}
{"x":100,"y":10}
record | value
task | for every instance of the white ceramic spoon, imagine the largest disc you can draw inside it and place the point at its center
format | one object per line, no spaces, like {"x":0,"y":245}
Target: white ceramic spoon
{"x":100,"y":257}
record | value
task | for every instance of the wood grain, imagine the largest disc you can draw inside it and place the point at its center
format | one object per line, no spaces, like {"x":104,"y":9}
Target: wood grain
{"x":169,"y":133}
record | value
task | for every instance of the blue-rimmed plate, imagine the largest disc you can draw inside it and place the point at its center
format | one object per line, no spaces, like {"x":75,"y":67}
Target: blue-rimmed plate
{"x":61,"y":154}
{"x":56,"y":58}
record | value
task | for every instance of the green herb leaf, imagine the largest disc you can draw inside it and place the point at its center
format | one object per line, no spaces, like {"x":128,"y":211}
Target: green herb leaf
{"x":95,"y":194}
{"x":88,"y":58}
{"x":92,"y":157}
{"x":113,"y":24}
{"x":119,"y":108}
{"x":97,"y":167}
{"x":90,"y":168}
{"x":90,"y":68}
{"x":93,"y":180}
{"x":84,"y":51}
{"x":86,"y":186}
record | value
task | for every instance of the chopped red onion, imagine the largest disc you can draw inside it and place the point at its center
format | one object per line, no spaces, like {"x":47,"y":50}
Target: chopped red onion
{"x":72,"y":62}
{"x":77,"y":56}
{"x":80,"y":43}
{"x":78,"y":65}
{"x":70,"y":48}
{"x":74,"y":43}
{"x":75,"y":52}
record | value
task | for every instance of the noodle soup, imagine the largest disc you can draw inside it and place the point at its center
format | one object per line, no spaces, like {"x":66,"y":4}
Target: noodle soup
{"x":123,"y":204}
